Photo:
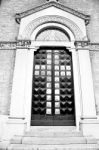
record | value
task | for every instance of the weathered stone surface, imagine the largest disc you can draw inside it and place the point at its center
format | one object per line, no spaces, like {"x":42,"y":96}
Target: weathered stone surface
{"x":38,"y":142}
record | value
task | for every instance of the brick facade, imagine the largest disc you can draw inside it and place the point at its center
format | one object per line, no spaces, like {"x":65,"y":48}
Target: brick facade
{"x":9,"y":31}
{"x":6,"y":74}
{"x":95,"y":70}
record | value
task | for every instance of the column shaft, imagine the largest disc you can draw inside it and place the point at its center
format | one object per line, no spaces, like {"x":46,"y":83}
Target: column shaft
{"x":18,"y":88}
{"x":88,"y":99}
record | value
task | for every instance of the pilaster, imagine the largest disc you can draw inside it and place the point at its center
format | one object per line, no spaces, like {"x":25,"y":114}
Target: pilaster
{"x":89,"y":122}
{"x":88,"y":99}
{"x":16,"y":123}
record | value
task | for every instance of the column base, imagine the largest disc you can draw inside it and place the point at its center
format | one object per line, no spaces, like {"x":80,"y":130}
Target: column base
{"x":3,"y":120}
{"x":14,"y":126}
{"x":90,"y":127}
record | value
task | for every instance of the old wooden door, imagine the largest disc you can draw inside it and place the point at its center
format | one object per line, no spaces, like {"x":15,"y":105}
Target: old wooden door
{"x":53,"y":90}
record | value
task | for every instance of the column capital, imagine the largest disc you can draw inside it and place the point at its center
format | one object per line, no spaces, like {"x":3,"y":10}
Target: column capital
{"x":82,"y":45}
{"x":21,"y":44}
{"x":86,"y":45}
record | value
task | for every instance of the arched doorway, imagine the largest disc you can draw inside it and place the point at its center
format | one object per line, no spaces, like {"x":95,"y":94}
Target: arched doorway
{"x":31,"y":26}
{"x":53,"y":87}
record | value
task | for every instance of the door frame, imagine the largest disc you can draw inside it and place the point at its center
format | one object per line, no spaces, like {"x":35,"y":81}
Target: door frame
{"x":34,"y":46}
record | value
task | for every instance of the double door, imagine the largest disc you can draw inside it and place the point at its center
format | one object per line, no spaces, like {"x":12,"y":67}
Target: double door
{"x":53,"y":92}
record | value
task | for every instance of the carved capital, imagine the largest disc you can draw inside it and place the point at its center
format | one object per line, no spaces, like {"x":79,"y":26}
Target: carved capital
{"x":23,"y":44}
{"x":82,"y":44}
{"x":86,"y":45}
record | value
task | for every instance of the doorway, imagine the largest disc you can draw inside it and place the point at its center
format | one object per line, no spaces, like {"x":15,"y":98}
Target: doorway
{"x":53,"y":89}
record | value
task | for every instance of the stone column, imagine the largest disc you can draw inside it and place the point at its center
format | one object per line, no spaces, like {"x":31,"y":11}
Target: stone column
{"x":89,"y":123}
{"x":18,"y":88}
{"x":88,"y":99}
{"x":16,"y":123}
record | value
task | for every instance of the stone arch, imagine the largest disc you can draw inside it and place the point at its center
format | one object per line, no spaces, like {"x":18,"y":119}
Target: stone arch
{"x":52,"y":33}
{"x":63,"y":29}
{"x":78,"y":34}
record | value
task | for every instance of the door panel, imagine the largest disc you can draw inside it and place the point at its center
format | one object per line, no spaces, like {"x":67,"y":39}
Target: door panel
{"x":53,"y":93}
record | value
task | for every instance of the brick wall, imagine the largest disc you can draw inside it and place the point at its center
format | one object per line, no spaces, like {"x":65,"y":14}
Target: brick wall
{"x":9,"y":31}
{"x":95,"y":70}
{"x":7,"y":58}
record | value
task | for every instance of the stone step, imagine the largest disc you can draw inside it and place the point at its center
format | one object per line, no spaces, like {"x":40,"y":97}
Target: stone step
{"x":20,"y":139}
{"x":54,"y":147}
{"x":52,"y":129}
{"x":53,"y":134}
{"x":53,"y":141}
{"x":53,"y":138}
{"x":50,"y":140}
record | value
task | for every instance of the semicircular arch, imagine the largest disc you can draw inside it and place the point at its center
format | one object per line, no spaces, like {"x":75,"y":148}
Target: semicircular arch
{"x":64,"y":31}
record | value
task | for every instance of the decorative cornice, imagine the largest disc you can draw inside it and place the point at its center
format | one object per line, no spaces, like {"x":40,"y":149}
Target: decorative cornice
{"x":7,"y":45}
{"x":21,"y":44}
{"x":25,"y":44}
{"x":55,"y":4}
{"x":83,"y":45}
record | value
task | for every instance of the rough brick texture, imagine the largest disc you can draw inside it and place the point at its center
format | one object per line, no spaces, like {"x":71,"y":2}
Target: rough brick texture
{"x":9,"y":32}
{"x":95,"y":70}
{"x":7,"y":58}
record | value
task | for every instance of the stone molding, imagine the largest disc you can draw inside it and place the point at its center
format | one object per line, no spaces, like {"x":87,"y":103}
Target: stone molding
{"x":94,"y":46}
{"x":55,"y":4}
{"x":8,"y":45}
{"x":25,"y":44}
{"x":11,"y":45}
{"x":86,"y":45}
{"x":54,"y":19}
{"x":82,"y":44}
